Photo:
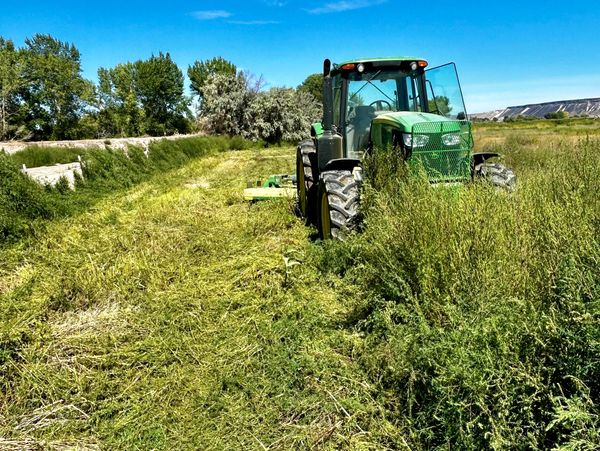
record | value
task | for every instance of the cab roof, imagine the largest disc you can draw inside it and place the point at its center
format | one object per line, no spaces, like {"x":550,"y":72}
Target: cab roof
{"x":387,"y":61}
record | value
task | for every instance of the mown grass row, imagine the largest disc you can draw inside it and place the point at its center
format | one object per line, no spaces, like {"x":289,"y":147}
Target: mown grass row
{"x":24,"y":204}
{"x":480,"y":309}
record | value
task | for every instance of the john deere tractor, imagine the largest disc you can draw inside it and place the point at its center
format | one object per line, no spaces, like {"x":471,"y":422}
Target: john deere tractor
{"x":385,"y":103}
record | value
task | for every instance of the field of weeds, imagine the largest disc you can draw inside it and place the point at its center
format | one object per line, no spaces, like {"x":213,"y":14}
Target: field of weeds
{"x":171,"y":314}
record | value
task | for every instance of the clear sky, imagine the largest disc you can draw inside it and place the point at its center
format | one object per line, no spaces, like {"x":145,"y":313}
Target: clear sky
{"x":507,"y":52}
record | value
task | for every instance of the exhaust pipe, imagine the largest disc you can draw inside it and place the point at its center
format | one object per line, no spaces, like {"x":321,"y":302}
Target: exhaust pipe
{"x":329,"y":146}
{"x":327,"y":96}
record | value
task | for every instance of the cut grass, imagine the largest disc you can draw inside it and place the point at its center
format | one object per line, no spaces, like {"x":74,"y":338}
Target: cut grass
{"x":166,"y":317}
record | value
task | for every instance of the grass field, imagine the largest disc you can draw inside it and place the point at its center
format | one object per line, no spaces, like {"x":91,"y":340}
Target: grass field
{"x":173,"y":315}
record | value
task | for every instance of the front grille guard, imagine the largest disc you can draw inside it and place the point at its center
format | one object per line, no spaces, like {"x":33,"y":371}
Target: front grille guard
{"x":445,"y":155}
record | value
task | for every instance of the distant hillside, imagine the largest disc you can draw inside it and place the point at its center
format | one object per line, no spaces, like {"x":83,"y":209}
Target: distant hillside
{"x":579,"y":107}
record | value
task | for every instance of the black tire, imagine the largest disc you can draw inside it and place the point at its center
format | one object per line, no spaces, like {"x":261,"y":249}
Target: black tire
{"x":306,"y":188}
{"x":338,"y":204}
{"x":496,"y":174}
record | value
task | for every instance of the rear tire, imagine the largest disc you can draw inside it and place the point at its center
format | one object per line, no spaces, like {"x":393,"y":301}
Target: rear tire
{"x":338,"y":203}
{"x":306,"y":157}
{"x":497,"y":174}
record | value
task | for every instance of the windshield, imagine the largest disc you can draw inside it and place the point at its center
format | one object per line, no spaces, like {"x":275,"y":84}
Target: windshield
{"x":389,"y":90}
{"x":374,"y":93}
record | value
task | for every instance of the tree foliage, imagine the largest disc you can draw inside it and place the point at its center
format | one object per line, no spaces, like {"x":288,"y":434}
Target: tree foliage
{"x":201,"y":71}
{"x":142,"y":97}
{"x":55,"y":93}
{"x":160,"y":91}
{"x":283,"y":114}
{"x":440,"y":105}
{"x":557,"y":115}
{"x":226,"y":104}
{"x":313,"y":84}
{"x":44,"y":96}
{"x":120,"y":112}
{"x":232,"y":105}
{"x":11,"y":83}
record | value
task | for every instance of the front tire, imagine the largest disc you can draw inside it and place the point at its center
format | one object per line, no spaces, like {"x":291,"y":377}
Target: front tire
{"x":338,"y":203}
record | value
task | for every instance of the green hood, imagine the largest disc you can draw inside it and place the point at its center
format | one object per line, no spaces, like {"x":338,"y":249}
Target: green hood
{"x":405,"y":120}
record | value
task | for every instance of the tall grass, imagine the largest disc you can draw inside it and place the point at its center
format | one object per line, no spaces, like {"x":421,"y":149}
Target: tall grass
{"x":25,"y":205}
{"x":480,"y":309}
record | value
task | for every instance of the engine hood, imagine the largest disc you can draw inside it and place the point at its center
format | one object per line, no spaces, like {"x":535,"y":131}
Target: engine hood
{"x":405,"y":120}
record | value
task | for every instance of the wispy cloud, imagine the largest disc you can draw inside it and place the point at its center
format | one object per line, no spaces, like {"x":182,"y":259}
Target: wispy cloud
{"x":345,"y":5}
{"x":277,"y":3}
{"x":253,"y":22}
{"x":211,"y":15}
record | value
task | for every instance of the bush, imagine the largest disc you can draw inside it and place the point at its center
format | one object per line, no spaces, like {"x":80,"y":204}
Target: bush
{"x":557,"y":115}
{"x":283,"y":115}
{"x":21,"y":201}
{"x":230,"y":106}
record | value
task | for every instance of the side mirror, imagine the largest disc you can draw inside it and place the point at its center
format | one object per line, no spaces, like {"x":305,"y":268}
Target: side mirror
{"x":461,"y":116}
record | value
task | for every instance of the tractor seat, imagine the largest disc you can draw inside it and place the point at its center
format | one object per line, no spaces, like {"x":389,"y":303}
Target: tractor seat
{"x":359,"y":127}
{"x":364,"y":114}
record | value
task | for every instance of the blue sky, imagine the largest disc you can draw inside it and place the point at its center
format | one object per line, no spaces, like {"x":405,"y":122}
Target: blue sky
{"x":507,"y":52}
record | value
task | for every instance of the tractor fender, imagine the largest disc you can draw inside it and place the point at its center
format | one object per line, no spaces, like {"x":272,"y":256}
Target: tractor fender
{"x":480,"y":157}
{"x":341,"y":164}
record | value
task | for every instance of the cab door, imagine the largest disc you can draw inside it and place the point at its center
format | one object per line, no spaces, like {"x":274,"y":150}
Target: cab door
{"x":444,"y":94}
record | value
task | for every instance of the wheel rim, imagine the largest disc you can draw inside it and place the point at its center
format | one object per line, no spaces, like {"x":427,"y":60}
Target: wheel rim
{"x":325,"y":217}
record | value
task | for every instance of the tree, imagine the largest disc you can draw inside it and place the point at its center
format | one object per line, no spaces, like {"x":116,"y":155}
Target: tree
{"x":313,"y":84}
{"x":201,"y":71}
{"x":440,"y":105}
{"x":284,"y":114}
{"x":160,"y":91}
{"x":11,"y":83}
{"x":121,"y":113}
{"x":56,"y":94}
{"x":225,"y":108}
{"x":143,"y":97}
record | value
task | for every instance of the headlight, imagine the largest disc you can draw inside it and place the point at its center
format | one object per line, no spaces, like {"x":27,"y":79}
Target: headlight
{"x":415,"y":141}
{"x":451,"y":139}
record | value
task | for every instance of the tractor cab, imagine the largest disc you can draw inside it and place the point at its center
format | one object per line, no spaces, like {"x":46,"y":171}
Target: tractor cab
{"x":365,"y":90}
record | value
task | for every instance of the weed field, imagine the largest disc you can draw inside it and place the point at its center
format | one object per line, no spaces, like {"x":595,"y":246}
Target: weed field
{"x":164,"y":312}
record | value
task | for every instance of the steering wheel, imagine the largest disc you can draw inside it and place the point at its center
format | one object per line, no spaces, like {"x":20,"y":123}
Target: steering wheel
{"x":378,"y":104}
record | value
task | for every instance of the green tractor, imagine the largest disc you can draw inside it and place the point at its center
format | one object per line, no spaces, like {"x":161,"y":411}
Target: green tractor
{"x":395,"y":103}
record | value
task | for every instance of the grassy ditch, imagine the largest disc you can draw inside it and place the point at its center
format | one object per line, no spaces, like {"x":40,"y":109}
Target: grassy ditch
{"x":24,"y":205}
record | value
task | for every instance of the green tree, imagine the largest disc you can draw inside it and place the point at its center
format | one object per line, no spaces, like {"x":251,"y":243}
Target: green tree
{"x":160,"y":91}
{"x":201,"y":71}
{"x":11,"y":84}
{"x":56,"y":94}
{"x":313,"y":84}
{"x":440,"y":105}
{"x":557,"y":115}
{"x":121,"y":113}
